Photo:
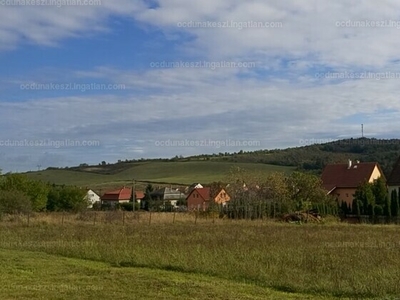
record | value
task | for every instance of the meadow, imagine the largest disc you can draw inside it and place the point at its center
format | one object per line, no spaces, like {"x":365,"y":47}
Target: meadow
{"x":181,"y":256}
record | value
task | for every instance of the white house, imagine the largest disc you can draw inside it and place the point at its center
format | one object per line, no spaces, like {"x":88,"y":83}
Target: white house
{"x":92,"y":198}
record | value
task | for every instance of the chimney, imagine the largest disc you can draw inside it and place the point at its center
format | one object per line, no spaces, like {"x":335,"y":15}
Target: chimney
{"x":349,"y":164}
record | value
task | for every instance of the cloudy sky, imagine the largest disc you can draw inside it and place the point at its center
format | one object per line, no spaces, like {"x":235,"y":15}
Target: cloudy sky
{"x":125,"y":79}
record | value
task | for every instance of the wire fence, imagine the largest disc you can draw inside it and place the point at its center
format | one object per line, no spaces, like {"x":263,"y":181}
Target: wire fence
{"x":125,"y":218}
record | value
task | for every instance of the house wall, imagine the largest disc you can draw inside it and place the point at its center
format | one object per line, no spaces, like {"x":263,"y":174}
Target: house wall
{"x":375,"y":174}
{"x":344,"y":194}
{"x":195,"y":201}
{"x":92,"y":198}
{"x":222,"y":197}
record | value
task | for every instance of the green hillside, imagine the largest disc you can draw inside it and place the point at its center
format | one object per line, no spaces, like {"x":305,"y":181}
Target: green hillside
{"x":178,"y":173}
{"x":214,"y":167}
{"x":315,"y":157}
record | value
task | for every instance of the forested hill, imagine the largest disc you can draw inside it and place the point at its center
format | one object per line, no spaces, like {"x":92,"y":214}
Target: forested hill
{"x":315,"y":157}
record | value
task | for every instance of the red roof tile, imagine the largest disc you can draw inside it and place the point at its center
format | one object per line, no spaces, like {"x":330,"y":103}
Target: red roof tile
{"x":203,"y":192}
{"x":339,"y":175}
{"x":139,"y":194}
{"x":116,"y":195}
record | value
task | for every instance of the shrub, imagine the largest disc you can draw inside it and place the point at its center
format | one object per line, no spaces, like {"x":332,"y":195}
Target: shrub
{"x":378,"y":210}
{"x":13,"y":202}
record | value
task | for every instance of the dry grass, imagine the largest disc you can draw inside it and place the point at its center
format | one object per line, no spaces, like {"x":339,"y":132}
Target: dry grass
{"x":321,"y":259}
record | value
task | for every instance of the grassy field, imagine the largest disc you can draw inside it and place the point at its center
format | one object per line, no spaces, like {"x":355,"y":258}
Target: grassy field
{"x":171,"y":172}
{"x":32,"y":275}
{"x":177,"y":258}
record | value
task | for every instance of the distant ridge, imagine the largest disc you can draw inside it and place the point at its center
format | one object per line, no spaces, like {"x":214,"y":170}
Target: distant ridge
{"x":312,"y":157}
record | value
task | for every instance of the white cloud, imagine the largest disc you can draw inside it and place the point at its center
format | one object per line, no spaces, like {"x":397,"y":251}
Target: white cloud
{"x":47,"y":25}
{"x":309,"y":29}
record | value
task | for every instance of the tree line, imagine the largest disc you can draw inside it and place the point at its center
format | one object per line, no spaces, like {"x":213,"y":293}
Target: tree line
{"x":254,"y":195}
{"x":19,"y":194}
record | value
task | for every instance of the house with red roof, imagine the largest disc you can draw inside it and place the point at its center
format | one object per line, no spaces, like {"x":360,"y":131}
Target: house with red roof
{"x":342,"y":180}
{"x":200,"y":198}
{"x":139,"y":197}
{"x":122,"y":195}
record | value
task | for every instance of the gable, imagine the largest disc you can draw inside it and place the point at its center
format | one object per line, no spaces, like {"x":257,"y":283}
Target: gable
{"x":341,"y":176}
{"x":203,"y":193}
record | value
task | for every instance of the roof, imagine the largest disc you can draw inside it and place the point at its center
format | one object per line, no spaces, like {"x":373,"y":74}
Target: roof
{"x":394,"y":177}
{"x":91,"y":192}
{"x":139,"y":194}
{"x":205,"y":193}
{"x":116,"y":195}
{"x":193,"y":186}
{"x":168,"y":194}
{"x":340,"y":176}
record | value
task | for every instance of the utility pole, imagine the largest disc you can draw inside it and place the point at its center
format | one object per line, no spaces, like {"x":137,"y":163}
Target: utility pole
{"x":362,"y":130}
{"x":133,"y":194}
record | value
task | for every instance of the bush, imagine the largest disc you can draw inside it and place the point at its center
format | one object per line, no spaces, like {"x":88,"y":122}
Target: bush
{"x":378,"y":210}
{"x":14,"y":202}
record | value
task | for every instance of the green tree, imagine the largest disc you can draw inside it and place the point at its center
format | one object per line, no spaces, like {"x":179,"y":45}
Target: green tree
{"x":394,"y":202}
{"x":365,"y":195}
{"x":14,"y":201}
{"x":378,"y":210}
{"x":147,"y":197}
{"x":380,"y":191}
{"x":306,"y":190}
{"x":387,"y":207}
{"x":66,"y":198}
{"x":36,"y":191}
{"x":356,"y":207}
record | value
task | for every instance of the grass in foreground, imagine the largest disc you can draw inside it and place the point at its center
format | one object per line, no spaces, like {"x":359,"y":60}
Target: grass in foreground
{"x":323,"y":260}
{"x":32,"y":275}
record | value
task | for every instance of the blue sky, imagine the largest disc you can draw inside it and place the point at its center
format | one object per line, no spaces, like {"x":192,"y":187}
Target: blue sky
{"x":250,"y":75}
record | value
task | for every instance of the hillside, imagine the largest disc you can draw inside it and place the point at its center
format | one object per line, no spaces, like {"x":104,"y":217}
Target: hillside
{"x":158,"y":172}
{"x":208,"y":168}
{"x":315,"y":157}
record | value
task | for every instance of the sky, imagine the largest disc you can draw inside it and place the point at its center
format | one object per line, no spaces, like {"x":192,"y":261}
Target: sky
{"x":86,"y":81}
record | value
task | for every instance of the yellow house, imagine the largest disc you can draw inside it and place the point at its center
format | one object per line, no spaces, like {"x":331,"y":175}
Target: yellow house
{"x":342,"y":180}
{"x":222,"y":197}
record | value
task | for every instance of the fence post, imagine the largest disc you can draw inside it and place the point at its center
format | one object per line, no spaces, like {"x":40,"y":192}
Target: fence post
{"x":123,"y":218}
{"x":94,"y":219}
{"x":173,"y":221}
